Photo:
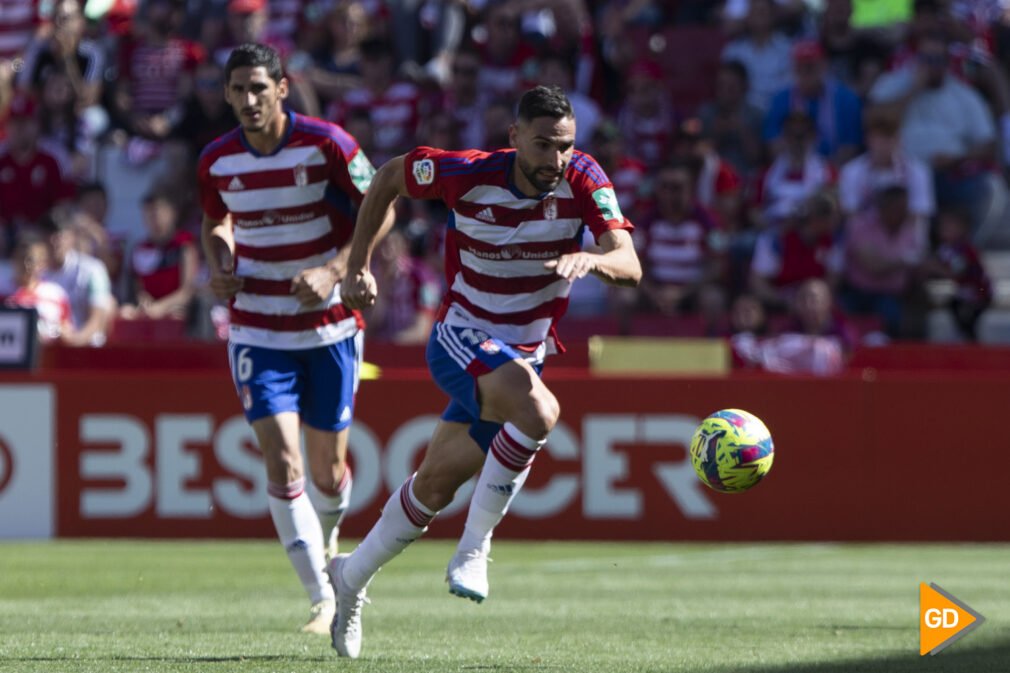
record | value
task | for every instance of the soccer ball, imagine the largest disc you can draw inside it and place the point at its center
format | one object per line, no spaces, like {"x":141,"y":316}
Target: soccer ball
{"x":732,"y":450}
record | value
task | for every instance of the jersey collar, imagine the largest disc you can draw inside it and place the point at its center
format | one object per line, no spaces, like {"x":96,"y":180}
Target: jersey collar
{"x":284,"y":139}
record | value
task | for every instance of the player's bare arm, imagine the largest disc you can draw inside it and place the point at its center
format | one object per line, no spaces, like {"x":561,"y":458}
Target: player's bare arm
{"x":618,"y":263}
{"x":375,"y":219}
{"x":218,"y":242}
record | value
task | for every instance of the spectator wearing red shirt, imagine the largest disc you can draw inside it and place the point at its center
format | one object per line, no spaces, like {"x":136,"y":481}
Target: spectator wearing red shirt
{"x":719,"y":186}
{"x":504,"y":55}
{"x":394,"y":106}
{"x":31,"y":259}
{"x":163,"y":266}
{"x":680,"y":245}
{"x":646,"y":118}
{"x":809,"y":247}
{"x":627,"y":174}
{"x":155,"y":72}
{"x":32,"y":174}
{"x":411,"y":293}
{"x":957,"y":260}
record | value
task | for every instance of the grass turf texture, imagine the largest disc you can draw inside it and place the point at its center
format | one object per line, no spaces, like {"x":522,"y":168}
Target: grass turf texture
{"x":235,"y":606}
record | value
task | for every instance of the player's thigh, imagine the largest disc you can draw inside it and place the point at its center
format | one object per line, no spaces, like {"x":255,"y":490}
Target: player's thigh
{"x":326,"y":453}
{"x":514,"y":392}
{"x":331,"y":382}
{"x":279,"y":439}
{"x":451,"y":459}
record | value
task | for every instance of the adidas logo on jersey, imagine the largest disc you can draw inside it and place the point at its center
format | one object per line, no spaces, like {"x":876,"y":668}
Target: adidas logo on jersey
{"x":485,"y":215}
{"x":235,"y":184}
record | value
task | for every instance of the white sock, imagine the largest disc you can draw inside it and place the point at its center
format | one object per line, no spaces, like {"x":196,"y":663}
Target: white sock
{"x":403,"y":520}
{"x":331,"y":507}
{"x":299,"y":531}
{"x":505,"y":470}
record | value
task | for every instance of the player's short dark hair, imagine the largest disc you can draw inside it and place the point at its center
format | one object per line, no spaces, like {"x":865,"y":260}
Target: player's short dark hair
{"x":250,"y":55}
{"x":545,"y":101}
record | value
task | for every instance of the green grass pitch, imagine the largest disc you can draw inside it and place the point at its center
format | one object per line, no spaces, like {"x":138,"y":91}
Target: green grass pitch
{"x":109,"y":606}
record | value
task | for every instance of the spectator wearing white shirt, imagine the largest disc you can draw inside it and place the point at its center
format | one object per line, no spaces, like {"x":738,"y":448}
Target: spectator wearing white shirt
{"x":885,"y":163}
{"x":945,"y":123}
{"x":766,"y":53}
{"x":85,"y":280}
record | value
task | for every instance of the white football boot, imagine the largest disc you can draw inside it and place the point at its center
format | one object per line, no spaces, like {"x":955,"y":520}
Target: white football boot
{"x":467,"y":573}
{"x":320,"y":617}
{"x":345,"y":629}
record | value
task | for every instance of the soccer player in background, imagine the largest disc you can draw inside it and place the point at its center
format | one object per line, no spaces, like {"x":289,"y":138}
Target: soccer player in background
{"x":511,"y":255}
{"x":279,"y":195}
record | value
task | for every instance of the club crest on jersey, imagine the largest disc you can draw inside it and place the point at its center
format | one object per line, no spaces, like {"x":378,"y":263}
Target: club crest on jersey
{"x":550,"y":208}
{"x":246,"y":398}
{"x":301,"y":175}
{"x":424,"y":171}
{"x":490,"y":347}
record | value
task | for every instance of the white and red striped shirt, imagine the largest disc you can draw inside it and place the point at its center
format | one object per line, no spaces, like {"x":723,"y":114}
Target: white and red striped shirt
{"x":52,"y":304}
{"x":676,"y":253}
{"x":499,"y":239}
{"x":19,"y":19}
{"x":395,"y":115}
{"x":291,"y":210}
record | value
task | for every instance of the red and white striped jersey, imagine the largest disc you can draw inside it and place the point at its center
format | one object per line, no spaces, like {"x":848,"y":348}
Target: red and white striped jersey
{"x":499,"y":239}
{"x":291,"y":210}
{"x":19,"y":19}
{"x":52,"y":304}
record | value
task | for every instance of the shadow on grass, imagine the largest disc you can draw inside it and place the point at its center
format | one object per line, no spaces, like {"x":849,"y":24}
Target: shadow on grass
{"x":961,"y":657}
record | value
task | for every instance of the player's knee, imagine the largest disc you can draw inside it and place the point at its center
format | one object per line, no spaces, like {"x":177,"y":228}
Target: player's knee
{"x":434,"y":491}
{"x":283,"y":467}
{"x":542,"y":414}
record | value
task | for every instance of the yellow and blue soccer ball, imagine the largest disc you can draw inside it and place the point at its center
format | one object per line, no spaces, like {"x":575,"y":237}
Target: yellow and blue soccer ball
{"x":732,"y":450}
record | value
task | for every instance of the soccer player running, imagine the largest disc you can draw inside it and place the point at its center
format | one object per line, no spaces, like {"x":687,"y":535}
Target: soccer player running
{"x":279,"y":195}
{"x":511,"y":255}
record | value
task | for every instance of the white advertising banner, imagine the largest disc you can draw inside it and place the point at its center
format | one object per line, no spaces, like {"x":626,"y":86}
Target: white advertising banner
{"x":27,"y":466}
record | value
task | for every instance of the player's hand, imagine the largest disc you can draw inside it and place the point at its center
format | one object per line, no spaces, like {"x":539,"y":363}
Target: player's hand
{"x":573,"y":266}
{"x":223,"y":281}
{"x":359,"y":289}
{"x":314,"y":286}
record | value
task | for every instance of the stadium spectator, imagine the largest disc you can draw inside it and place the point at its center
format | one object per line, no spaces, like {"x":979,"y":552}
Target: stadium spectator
{"x":680,"y":244}
{"x":885,"y":163}
{"x":32,"y":174}
{"x":84,"y":279}
{"x":957,"y":260}
{"x":336,"y":68}
{"x":93,"y":238}
{"x":733,"y":123}
{"x":205,"y":114}
{"x":30,"y":261}
{"x":944,"y":123}
{"x":76,"y":135}
{"x":66,"y":50}
{"x":627,"y":173}
{"x":719,"y":188}
{"x":809,"y":247}
{"x":834,"y":108}
{"x":409,"y":295}
{"x":394,"y":106}
{"x":463,"y":99}
{"x":498,"y":115}
{"x":426,"y":35}
{"x":818,"y":340}
{"x":163,"y":266}
{"x":796,"y":174}
{"x":735,"y":13}
{"x":504,"y":56}
{"x":646,"y":119}
{"x":885,"y":248}
{"x":555,"y":70}
{"x":20,"y":21}
{"x":854,"y":57}
{"x":155,"y":72}
{"x":764,"y":52}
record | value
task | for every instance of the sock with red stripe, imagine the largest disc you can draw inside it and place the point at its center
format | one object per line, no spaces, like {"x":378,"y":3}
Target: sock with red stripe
{"x":403,"y":520}
{"x":504,"y":473}
{"x":299,"y":531}
{"x":331,"y":507}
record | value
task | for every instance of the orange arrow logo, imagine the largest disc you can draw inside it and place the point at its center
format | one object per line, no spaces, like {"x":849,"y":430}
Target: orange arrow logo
{"x":943,"y":619}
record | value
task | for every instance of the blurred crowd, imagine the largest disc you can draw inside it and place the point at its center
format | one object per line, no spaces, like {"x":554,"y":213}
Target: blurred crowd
{"x":797,"y":170}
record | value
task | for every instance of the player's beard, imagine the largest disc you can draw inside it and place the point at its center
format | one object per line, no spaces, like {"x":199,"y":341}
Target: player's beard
{"x":536,"y":179}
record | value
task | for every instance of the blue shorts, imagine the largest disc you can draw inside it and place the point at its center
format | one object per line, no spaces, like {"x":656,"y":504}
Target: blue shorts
{"x":317,"y":383}
{"x":456,"y":357}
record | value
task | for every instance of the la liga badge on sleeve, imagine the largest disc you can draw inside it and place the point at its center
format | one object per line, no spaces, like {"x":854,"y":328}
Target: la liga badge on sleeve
{"x":424,"y":171}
